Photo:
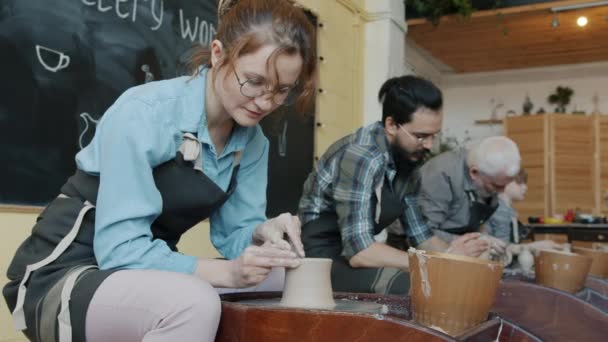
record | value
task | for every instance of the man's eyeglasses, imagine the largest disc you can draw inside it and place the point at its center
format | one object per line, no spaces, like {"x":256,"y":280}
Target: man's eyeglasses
{"x":490,"y":184}
{"x":419,"y":137}
{"x":256,"y":87}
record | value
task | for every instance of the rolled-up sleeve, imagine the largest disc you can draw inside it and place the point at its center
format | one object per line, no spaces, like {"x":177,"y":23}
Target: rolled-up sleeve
{"x":417,"y":230}
{"x":360,"y":170}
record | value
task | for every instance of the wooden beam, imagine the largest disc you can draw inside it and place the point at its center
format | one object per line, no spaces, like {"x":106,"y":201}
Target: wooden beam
{"x":531,"y":41}
{"x":505,"y":11}
{"x":19,"y":209}
{"x":489,"y":122}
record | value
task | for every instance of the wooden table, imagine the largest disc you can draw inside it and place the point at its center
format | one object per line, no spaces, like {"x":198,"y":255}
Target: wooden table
{"x":574,"y":231}
{"x":522,"y":312}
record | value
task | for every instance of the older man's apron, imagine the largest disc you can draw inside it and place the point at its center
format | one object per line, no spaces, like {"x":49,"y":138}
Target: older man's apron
{"x":54,"y":274}
{"x":479,"y":213}
{"x":322,"y":239}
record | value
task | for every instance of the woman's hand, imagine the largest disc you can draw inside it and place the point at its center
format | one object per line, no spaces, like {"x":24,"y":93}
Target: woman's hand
{"x":274,"y":230}
{"x":254,"y":264}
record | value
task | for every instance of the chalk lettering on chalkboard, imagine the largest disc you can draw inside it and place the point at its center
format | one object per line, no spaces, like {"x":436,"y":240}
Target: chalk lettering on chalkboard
{"x":86,"y":117}
{"x":63,"y":60}
{"x":159,"y":19}
{"x":66,"y":62}
{"x":123,"y":13}
{"x":149,"y":75}
{"x":205,"y":31}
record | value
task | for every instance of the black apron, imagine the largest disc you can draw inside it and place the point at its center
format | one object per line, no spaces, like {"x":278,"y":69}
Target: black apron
{"x":479,"y":214}
{"x":188,"y":197}
{"x":322,"y":239}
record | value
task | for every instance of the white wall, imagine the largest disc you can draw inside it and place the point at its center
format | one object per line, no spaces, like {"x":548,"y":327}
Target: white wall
{"x":421,"y":63}
{"x":384,"y":52}
{"x":469,"y":97}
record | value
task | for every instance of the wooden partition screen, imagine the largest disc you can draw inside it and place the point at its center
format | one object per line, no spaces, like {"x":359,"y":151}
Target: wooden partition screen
{"x":531,"y":133}
{"x":566,"y":157}
{"x":572,"y":163}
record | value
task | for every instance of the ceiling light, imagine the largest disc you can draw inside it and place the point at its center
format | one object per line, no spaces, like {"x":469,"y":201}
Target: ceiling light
{"x":579,"y":6}
{"x":582,"y":21}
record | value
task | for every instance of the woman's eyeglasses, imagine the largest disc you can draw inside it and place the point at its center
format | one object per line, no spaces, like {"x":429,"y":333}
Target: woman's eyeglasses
{"x":255,"y":87}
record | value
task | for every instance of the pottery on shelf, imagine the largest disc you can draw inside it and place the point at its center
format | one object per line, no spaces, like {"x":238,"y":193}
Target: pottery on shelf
{"x":562,"y":270}
{"x":599,"y":265}
{"x":527,"y":106}
{"x":309,"y":285}
{"x":451,"y":293}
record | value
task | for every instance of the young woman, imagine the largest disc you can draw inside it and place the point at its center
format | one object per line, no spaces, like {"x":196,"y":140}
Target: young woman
{"x":101,"y":263}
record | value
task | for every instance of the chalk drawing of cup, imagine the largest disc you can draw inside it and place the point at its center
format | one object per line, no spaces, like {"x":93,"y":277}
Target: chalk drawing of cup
{"x":63,"y":60}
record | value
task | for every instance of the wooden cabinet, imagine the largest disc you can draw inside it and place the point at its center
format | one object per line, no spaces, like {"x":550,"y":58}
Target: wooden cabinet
{"x":566,"y":157}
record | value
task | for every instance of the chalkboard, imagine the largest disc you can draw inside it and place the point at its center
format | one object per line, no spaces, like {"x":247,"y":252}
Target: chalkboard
{"x":290,"y":160}
{"x":291,"y":137}
{"x":64,"y":62}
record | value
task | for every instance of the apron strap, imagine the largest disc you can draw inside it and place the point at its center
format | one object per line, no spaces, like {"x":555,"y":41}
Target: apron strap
{"x":237,"y":157}
{"x":64,"y":319}
{"x":18,"y":313}
{"x":191,"y":150}
{"x":472,"y":197}
{"x":378,"y":192}
{"x":515,"y":225}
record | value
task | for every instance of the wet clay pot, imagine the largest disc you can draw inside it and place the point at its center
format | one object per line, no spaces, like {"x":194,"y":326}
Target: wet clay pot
{"x":599,"y":265}
{"x":309,"y":285}
{"x":451,"y":293}
{"x":562,"y":270}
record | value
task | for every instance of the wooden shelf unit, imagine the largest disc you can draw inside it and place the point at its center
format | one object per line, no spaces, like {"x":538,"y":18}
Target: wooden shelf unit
{"x":566,"y":157}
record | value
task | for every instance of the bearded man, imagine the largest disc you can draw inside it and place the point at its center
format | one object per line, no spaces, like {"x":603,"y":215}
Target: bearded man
{"x":368,"y":181}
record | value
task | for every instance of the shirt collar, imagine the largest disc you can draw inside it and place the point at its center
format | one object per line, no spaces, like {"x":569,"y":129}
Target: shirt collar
{"x":195,"y":119}
{"x":379,"y":136}
{"x":468,"y":181}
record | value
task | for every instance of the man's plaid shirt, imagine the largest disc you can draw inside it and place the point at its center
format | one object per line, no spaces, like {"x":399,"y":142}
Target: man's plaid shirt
{"x":347,"y":180}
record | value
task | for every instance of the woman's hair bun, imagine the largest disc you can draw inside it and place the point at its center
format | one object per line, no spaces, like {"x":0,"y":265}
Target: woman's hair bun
{"x":224,"y":6}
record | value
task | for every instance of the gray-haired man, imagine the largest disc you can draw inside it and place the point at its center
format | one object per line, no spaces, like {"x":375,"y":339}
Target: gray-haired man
{"x":459,"y":188}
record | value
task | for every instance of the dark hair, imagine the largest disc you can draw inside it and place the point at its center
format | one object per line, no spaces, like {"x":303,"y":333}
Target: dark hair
{"x":247,"y":25}
{"x":402,"y":96}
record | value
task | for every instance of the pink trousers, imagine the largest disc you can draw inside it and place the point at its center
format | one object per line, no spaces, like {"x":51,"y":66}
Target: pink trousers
{"x":150,"y":306}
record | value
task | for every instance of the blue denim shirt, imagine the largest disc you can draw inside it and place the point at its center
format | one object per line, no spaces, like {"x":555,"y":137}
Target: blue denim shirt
{"x":144,"y":129}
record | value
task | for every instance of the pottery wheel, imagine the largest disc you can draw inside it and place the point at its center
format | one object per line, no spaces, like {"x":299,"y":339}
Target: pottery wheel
{"x":343,"y":305}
